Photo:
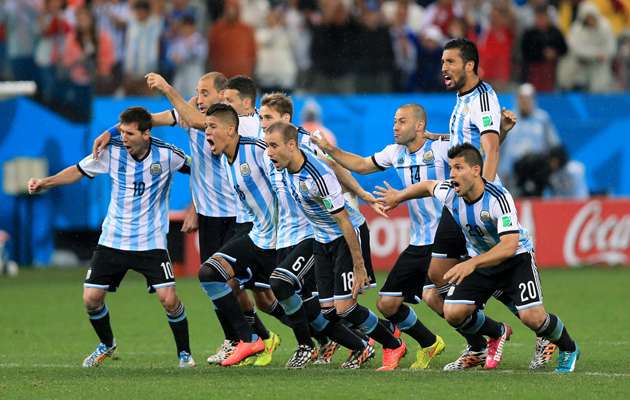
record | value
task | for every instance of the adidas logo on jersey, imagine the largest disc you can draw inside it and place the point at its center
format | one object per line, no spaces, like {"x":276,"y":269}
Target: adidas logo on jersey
{"x":122,"y":169}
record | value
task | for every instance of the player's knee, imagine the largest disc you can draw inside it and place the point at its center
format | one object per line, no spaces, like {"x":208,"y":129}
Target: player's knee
{"x":93,"y":299}
{"x":433,"y":299}
{"x":281,"y":285}
{"x":264,"y":299}
{"x":437,"y":276}
{"x":533,"y":317}
{"x":213,"y":271}
{"x":455,"y":316}
{"x":387,"y":306}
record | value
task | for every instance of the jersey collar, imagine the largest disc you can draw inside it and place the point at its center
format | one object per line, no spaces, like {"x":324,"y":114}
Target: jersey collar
{"x":471,"y":90}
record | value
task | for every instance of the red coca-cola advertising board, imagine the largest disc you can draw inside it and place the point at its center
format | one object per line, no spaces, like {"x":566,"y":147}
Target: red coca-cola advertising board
{"x":566,"y":233}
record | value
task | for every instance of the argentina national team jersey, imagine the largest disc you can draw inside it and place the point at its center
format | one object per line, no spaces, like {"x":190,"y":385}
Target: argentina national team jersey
{"x":318,"y":193}
{"x":487,"y":219}
{"x":249,"y":177}
{"x":430,"y":162}
{"x":211,"y":190}
{"x":137,"y":218}
{"x":476,"y":112}
{"x":248,"y":126}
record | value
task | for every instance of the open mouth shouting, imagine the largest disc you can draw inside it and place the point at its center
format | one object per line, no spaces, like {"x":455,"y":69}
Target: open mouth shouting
{"x":448,"y":79}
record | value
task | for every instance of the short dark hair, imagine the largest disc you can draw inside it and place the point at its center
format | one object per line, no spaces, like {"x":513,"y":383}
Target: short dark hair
{"x":244,"y":85}
{"x":419,"y":114}
{"x":142,"y":5}
{"x":219,"y":80}
{"x":471,"y":154}
{"x":279,"y":102}
{"x":467,"y":48}
{"x":287,"y":130}
{"x":224,"y":112}
{"x":139,"y":115}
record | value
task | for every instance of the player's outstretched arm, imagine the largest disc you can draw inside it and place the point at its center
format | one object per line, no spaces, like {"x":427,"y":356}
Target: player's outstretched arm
{"x":353,"y":162}
{"x":508,"y":120}
{"x":189,"y":113}
{"x":101,"y":142}
{"x":390,"y":198}
{"x":68,"y":176}
{"x":505,"y":249}
{"x":490,"y":144}
{"x":361,"y":280}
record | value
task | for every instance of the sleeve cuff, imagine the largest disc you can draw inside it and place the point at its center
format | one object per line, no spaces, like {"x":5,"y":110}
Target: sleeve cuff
{"x":174,"y":117}
{"x":508,"y":232}
{"x":336,"y":211}
{"x":83,"y":172}
{"x":489,"y":131}
{"x":375,"y":163}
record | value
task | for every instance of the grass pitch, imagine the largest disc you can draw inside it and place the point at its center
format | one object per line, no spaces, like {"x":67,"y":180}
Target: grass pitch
{"x":45,"y":335}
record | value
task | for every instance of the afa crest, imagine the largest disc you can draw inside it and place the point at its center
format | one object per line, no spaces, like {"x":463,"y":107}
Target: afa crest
{"x":428,"y":156}
{"x":245,"y":170}
{"x":485,"y":216}
{"x":465,"y":109}
{"x":303,"y":187}
{"x":156,"y":169}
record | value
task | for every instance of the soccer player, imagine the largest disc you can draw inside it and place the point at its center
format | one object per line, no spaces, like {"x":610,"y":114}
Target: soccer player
{"x":476,"y":119}
{"x":134,"y":231}
{"x":293,"y":281}
{"x":342,"y":251}
{"x":415,"y":159}
{"x":500,"y":257}
{"x":241,"y":93}
{"x":261,"y":289}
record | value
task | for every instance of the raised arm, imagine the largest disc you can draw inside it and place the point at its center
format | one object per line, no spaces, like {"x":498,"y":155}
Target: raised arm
{"x":508,"y":120}
{"x":490,"y":144}
{"x":361,"y":280}
{"x":186,"y":111}
{"x":353,"y":162}
{"x":391,"y":198}
{"x":68,"y":176}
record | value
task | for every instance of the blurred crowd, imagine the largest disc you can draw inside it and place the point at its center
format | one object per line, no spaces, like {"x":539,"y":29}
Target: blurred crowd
{"x":75,"y":47}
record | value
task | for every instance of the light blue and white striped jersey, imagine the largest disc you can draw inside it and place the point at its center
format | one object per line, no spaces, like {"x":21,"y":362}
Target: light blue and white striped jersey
{"x":248,"y":126}
{"x":430,"y":162}
{"x":249,"y":178}
{"x":318,"y":193}
{"x":293,"y":225}
{"x":476,"y":112}
{"x":485,"y":220}
{"x":142,"y":46}
{"x":137,"y":218}
{"x":212,"y":193}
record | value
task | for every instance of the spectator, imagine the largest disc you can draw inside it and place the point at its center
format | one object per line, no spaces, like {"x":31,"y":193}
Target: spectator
{"x":592,"y":47}
{"x":527,"y":13}
{"x":276,"y":70}
{"x":253,"y":12}
{"x":496,"y":44}
{"x":430,"y":60}
{"x":312,"y":121}
{"x":542,"y":45}
{"x":88,"y":58}
{"x":54,"y":28}
{"x":141,"y":47}
{"x":413,"y":12}
{"x":172,"y":16}
{"x":20,"y":17}
{"x":405,"y":46}
{"x":374,"y":68}
{"x":567,"y":178}
{"x":112,"y":16}
{"x":188,"y":51}
{"x":232,"y":44}
{"x":441,"y":13}
{"x":528,"y":143}
{"x":298,"y":16}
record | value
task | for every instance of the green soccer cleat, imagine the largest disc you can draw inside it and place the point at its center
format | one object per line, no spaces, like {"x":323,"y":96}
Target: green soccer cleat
{"x":101,"y":353}
{"x":271,"y":345}
{"x":426,"y":354}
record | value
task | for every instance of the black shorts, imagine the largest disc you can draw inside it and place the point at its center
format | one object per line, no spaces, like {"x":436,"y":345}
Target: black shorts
{"x":409,"y":276}
{"x":334,"y":269}
{"x":242,"y":229}
{"x":298,"y":262}
{"x":214,"y":232}
{"x":252,"y":265}
{"x":450,"y":241}
{"x":109,"y":266}
{"x":517,"y":277}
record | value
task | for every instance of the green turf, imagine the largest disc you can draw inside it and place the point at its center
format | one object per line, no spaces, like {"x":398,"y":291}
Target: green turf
{"x":45,"y":335}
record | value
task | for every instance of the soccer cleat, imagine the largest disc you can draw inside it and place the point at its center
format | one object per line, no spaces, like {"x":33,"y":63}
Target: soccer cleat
{"x":397,"y":332}
{"x":244,"y":350}
{"x":426,"y":354}
{"x":326,"y":352}
{"x":186,"y":360}
{"x":101,"y":353}
{"x":223,"y":352}
{"x":542,"y":355}
{"x":495,"y":347}
{"x":567,"y":360}
{"x":245,"y":362}
{"x":271,"y":345}
{"x":391,"y":357}
{"x":358,"y":358}
{"x":468,"y":359}
{"x":301,"y":357}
